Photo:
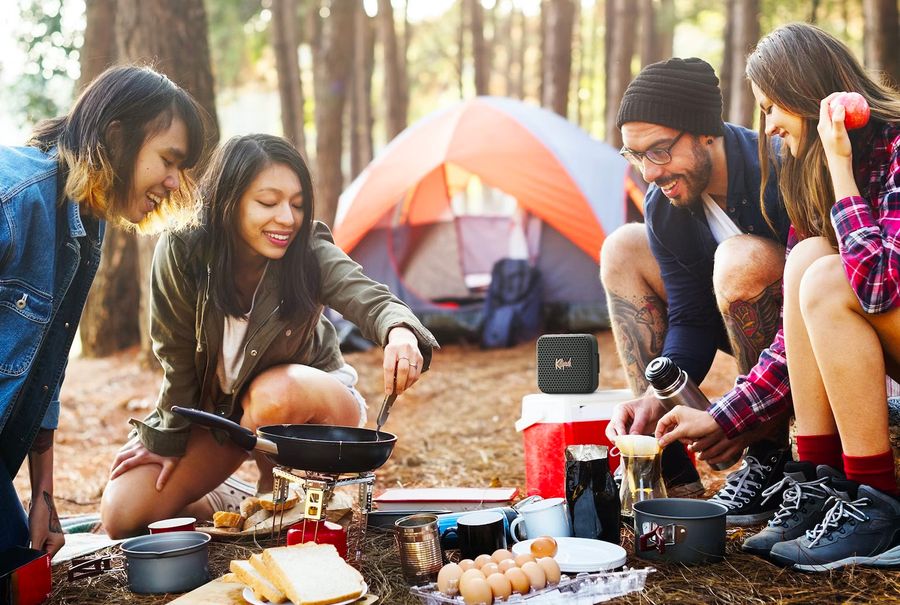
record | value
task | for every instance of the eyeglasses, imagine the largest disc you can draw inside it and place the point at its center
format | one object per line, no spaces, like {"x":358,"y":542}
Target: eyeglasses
{"x":658,"y":155}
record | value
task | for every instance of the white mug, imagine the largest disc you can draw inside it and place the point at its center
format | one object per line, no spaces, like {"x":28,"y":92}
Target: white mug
{"x":548,"y":517}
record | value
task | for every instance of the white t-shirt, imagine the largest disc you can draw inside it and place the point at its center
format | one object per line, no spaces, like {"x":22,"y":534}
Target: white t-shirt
{"x":721,"y":226}
{"x":234,"y":335}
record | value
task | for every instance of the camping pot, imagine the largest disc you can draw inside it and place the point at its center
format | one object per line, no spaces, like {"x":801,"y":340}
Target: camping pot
{"x":175,"y":561}
{"x":679,"y":530}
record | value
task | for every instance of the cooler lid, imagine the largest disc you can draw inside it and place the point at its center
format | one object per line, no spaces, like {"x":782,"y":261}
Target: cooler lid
{"x":558,"y":409}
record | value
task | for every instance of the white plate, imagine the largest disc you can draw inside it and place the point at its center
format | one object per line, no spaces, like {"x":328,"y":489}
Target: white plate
{"x":581,"y":554}
{"x":248,"y":596}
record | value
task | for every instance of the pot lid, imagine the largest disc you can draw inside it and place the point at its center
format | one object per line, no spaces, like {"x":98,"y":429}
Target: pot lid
{"x":581,"y":554}
{"x":168,"y":544}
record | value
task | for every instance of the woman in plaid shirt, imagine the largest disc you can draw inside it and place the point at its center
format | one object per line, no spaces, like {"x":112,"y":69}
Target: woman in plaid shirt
{"x":841,"y":313}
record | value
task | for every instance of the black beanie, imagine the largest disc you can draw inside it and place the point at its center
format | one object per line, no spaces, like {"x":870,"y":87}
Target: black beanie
{"x":679,"y":93}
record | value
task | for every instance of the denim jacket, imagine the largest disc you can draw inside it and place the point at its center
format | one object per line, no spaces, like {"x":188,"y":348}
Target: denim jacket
{"x":48,"y":257}
{"x":684,"y":247}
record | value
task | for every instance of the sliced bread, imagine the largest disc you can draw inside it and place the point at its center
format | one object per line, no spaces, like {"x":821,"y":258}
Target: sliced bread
{"x":260,"y":585}
{"x":312,"y":574}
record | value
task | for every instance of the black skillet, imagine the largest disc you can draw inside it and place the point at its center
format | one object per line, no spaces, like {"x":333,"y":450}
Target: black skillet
{"x":318,"y":448}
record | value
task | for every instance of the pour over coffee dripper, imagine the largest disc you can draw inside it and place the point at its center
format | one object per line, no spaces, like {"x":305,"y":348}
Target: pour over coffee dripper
{"x":642,"y":476}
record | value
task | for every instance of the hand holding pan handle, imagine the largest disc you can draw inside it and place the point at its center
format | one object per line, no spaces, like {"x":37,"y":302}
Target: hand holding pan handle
{"x":242,"y":437}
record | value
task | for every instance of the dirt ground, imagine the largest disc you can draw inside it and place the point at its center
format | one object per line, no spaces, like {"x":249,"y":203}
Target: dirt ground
{"x":454,"y":428}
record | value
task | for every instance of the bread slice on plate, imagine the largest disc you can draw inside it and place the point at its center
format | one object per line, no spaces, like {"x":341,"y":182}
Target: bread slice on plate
{"x":312,"y":574}
{"x":259,"y":584}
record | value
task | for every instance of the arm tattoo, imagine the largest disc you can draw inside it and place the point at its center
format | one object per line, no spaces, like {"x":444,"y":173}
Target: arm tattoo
{"x":54,"y":525}
{"x":752,"y":325}
{"x":42,"y":442}
{"x":639,"y":328}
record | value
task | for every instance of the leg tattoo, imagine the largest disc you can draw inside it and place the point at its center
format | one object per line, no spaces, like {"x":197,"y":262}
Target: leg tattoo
{"x":752,"y":324}
{"x":639,"y":328}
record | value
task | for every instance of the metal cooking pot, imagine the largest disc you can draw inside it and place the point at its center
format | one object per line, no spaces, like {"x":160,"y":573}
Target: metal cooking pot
{"x":679,"y":530}
{"x":176,"y":561}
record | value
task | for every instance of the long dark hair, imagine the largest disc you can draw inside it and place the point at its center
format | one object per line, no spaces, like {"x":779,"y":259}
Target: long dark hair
{"x":231,"y":171}
{"x":796,"y":66}
{"x":99,"y":139}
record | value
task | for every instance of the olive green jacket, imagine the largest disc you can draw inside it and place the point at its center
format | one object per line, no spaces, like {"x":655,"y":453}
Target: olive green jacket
{"x":187,"y":330}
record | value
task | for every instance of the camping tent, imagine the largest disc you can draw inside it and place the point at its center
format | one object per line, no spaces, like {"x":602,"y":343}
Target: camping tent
{"x":485,"y":179}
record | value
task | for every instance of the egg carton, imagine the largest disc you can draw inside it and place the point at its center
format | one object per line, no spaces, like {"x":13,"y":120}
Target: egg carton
{"x":583,"y":589}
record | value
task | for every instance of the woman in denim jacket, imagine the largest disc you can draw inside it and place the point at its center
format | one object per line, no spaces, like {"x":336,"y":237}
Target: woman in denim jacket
{"x":236,"y":321}
{"x":119,"y":155}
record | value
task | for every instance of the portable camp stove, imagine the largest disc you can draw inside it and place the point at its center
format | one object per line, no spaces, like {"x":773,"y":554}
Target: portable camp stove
{"x":318,"y":489}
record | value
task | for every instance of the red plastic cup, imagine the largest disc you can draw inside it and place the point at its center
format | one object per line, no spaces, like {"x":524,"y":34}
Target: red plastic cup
{"x":174,"y":524}
{"x":25,"y":576}
{"x":327,"y":533}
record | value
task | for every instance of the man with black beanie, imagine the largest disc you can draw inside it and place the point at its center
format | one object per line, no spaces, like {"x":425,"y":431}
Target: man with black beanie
{"x":703,"y":273}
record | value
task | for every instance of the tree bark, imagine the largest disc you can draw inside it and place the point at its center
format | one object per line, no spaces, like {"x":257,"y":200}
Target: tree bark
{"x":183,"y":55}
{"x":665,"y":28}
{"x":728,"y":43}
{"x":395,"y":93}
{"x":479,"y":48}
{"x":745,"y":36}
{"x":559,"y":18}
{"x":361,"y":104}
{"x":622,"y":32}
{"x":285,"y":42}
{"x":649,"y":42}
{"x":332,"y":69}
{"x":882,"y":38}
{"x":99,"y":49}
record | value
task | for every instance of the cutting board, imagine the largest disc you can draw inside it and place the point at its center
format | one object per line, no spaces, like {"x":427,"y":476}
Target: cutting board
{"x":216,"y":592}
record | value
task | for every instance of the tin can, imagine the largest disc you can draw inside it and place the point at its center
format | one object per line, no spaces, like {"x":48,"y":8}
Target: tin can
{"x":419,"y":545}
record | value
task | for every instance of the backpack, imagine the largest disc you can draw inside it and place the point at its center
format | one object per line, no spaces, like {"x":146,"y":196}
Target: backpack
{"x":513,"y":310}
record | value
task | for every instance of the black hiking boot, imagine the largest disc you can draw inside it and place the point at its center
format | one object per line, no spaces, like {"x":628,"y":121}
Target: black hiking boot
{"x":742,"y":493}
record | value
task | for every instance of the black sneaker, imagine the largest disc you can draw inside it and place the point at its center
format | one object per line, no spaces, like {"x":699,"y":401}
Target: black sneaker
{"x":742,"y":493}
{"x":864,"y":531}
{"x":805,"y":490}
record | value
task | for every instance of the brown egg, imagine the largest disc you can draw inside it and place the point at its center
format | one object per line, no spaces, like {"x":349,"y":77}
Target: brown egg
{"x":448,"y":579}
{"x":466,"y":564}
{"x":480,"y":560}
{"x":536,"y":576}
{"x":468,"y":576}
{"x":545,"y":546}
{"x":489,"y":568}
{"x":525,"y":557}
{"x":518,"y":579}
{"x":551,"y":569}
{"x":500,"y":586}
{"x":501,"y":554}
{"x":506,"y":564}
{"x":477,"y":592}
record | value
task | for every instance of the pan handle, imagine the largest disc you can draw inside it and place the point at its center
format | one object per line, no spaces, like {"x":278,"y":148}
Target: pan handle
{"x":242,"y":437}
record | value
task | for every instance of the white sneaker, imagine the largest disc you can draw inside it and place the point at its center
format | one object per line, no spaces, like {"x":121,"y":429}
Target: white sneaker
{"x":228,"y":496}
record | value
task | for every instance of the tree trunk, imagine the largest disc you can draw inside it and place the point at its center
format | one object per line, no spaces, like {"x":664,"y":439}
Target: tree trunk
{"x":285,"y":42}
{"x":665,"y":28}
{"x":104,"y":328}
{"x":183,"y":55}
{"x":745,"y":36}
{"x":361,"y":103}
{"x":395,"y":95}
{"x":882,"y":38}
{"x":518,"y":88}
{"x":479,"y":49}
{"x":650,"y":52}
{"x":559,"y":18}
{"x":333,"y":59}
{"x":725,"y":70}
{"x":622,"y":31}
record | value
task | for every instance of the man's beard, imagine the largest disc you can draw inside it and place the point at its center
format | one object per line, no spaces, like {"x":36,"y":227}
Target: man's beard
{"x":694,"y":181}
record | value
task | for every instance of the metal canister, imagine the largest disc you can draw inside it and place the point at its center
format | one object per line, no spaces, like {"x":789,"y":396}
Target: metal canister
{"x":420,"y":547}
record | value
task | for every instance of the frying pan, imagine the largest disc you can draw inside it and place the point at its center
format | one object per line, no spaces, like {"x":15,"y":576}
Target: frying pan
{"x":319,"y":448}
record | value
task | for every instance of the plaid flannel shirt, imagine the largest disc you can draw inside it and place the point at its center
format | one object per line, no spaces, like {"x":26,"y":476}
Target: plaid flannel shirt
{"x":869,"y":244}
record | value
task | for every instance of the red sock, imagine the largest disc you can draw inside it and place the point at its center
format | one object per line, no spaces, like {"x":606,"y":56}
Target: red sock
{"x":876,"y":471}
{"x":820,"y":449}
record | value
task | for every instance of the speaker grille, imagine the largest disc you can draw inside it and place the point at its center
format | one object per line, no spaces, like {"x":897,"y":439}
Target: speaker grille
{"x":567,"y":363}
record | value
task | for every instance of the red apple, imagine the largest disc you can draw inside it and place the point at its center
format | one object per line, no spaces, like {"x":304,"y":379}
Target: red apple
{"x":856,"y":109}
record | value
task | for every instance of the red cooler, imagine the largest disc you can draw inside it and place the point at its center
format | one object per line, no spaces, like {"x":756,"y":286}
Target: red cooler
{"x":550,"y":423}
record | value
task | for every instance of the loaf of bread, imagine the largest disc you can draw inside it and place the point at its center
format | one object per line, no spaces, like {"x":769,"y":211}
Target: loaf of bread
{"x":227,"y":519}
{"x":256,"y":518}
{"x":311,"y":574}
{"x":259,"y":584}
{"x":269,"y":504}
{"x":249,"y":506}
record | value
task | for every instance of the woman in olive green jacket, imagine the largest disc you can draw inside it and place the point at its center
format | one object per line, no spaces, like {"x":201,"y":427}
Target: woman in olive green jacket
{"x":237,"y":324}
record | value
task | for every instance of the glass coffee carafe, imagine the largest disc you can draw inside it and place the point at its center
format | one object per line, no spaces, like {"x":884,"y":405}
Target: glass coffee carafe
{"x":642,"y":475}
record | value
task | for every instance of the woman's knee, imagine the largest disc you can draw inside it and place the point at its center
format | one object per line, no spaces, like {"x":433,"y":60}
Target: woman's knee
{"x":824,"y":289}
{"x":295,"y":394}
{"x":124,"y":512}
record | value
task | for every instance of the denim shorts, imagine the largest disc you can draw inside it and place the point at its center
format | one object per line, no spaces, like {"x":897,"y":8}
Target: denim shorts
{"x":348,"y":377}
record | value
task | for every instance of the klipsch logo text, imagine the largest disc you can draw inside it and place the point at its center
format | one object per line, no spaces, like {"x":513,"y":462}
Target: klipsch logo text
{"x":563,"y":363}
